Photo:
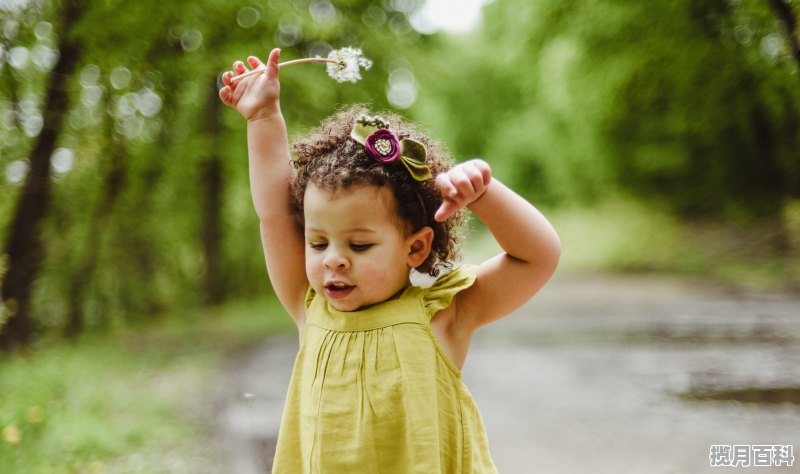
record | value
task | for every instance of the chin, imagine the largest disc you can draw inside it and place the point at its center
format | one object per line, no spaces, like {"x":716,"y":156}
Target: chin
{"x":346,"y":308}
{"x":343,"y":305}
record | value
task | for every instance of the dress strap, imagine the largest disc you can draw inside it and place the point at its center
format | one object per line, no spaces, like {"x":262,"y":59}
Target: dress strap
{"x":446,"y":287}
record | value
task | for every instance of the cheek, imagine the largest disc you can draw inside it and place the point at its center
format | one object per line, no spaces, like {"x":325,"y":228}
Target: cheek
{"x":313,"y":265}
{"x":377,"y":274}
{"x":380,"y":274}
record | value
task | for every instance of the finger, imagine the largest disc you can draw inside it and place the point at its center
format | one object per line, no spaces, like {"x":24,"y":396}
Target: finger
{"x":227,"y":77}
{"x":475,"y":177}
{"x":238,"y":67}
{"x":239,"y":91}
{"x":272,"y":63}
{"x":485,"y":169}
{"x":225,"y":95}
{"x":254,"y":62}
{"x":461,"y":181}
{"x":445,"y":185}
{"x":447,"y":209}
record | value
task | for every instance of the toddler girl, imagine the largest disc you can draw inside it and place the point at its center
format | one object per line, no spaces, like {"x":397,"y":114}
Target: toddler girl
{"x":376,"y":385}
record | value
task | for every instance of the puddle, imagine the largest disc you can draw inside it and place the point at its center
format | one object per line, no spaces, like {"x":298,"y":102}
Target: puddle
{"x":758,"y":395}
{"x":653,"y":336}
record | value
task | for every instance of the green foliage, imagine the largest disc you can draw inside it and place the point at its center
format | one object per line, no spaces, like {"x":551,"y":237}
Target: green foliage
{"x":689,"y":105}
{"x":132,"y":402}
{"x":127,"y":228}
{"x":623,"y":235}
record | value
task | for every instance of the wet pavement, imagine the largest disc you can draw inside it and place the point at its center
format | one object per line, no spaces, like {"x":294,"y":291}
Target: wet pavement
{"x":596,"y":374}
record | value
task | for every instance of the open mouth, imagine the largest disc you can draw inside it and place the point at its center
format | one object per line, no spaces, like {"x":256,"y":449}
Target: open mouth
{"x":338,"y":290}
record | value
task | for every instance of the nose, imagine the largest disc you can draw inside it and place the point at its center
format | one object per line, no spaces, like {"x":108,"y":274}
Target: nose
{"x":336,"y":261}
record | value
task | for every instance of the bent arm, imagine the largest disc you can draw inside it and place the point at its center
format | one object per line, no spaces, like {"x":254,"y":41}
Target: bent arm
{"x":506,"y":281}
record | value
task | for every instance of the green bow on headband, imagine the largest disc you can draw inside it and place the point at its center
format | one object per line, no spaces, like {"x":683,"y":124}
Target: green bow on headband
{"x":386,"y":147}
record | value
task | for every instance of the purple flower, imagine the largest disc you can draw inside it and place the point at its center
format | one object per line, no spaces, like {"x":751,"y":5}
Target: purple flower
{"x":383,"y":145}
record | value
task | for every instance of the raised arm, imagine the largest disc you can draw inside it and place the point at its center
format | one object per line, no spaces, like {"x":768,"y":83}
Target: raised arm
{"x":531,"y":247}
{"x":257,"y":98}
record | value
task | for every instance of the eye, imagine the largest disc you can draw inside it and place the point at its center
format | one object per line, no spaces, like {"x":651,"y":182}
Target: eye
{"x":318,"y":245}
{"x":360,"y":247}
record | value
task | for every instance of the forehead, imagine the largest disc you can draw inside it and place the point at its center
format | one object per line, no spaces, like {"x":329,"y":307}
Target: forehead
{"x":359,"y":206}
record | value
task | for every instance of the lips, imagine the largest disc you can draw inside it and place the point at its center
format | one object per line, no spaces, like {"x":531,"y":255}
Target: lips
{"x":338,"y":289}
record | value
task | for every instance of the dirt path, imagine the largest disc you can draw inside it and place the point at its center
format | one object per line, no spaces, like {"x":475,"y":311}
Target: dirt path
{"x":596,"y":374}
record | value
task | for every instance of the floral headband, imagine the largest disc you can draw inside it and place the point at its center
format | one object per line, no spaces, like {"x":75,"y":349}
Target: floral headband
{"x":386,"y":147}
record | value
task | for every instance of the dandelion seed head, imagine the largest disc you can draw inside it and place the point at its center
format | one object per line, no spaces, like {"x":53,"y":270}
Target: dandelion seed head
{"x":349,"y":62}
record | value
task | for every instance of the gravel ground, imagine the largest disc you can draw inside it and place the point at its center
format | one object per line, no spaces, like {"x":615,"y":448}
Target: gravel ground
{"x":596,"y":374}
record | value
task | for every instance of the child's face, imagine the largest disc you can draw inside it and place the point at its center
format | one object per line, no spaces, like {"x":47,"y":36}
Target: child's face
{"x":356,"y":255}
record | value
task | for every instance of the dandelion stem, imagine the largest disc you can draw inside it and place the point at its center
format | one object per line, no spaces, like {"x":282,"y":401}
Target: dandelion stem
{"x":308,"y":60}
{"x":286,"y":63}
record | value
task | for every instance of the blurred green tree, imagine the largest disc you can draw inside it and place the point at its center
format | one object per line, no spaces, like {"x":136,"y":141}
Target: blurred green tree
{"x":693,"y":105}
{"x":24,"y":249}
{"x":690,"y":104}
{"x":148,"y":173}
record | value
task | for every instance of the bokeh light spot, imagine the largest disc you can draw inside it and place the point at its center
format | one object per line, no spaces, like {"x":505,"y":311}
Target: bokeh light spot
{"x":399,"y":24}
{"x":12,"y":434}
{"x":42,"y":30}
{"x":402,"y":91}
{"x":191,"y":40}
{"x":149,"y":103}
{"x":91,"y":95}
{"x":62,"y":160}
{"x":248,"y":17}
{"x":43,"y":57}
{"x":319,"y":49}
{"x":743,"y":34}
{"x":322,"y":11}
{"x":772,"y":45}
{"x":32,"y":124}
{"x":90,"y":74}
{"x":120,"y":77}
{"x":16,"y":171}
{"x":290,"y":30}
{"x":374,"y":16}
{"x":18,"y":57}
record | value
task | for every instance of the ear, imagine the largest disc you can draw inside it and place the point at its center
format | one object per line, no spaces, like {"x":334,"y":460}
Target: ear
{"x":419,"y":246}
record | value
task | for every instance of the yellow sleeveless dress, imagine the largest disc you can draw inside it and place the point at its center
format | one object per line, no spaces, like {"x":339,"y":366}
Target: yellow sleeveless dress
{"x":373,"y":392}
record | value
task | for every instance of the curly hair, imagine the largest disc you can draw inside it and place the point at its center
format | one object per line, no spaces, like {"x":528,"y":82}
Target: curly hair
{"x":329,"y":159}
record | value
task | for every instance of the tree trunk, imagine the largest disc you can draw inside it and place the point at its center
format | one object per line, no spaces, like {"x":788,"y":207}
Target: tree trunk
{"x":212,"y":188}
{"x":24,"y":248}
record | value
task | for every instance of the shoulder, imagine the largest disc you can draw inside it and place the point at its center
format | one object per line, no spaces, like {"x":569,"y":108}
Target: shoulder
{"x":440,"y":295}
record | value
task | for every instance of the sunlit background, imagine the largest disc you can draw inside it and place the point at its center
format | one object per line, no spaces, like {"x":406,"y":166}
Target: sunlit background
{"x":661,"y":139}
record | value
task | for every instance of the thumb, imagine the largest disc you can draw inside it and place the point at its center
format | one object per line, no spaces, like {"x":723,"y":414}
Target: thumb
{"x":272,"y":63}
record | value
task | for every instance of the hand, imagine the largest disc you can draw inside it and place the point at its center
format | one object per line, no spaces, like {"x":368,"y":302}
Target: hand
{"x":257,"y":96}
{"x":461,"y":186}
